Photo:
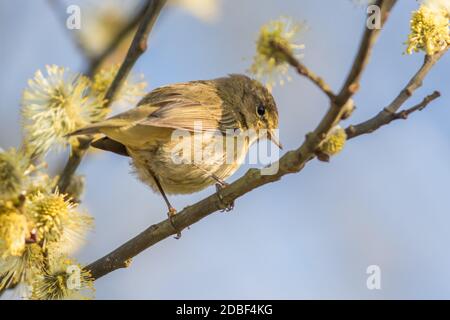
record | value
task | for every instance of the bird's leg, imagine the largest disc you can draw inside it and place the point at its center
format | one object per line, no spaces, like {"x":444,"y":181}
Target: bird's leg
{"x":219,"y":186}
{"x":172,"y":211}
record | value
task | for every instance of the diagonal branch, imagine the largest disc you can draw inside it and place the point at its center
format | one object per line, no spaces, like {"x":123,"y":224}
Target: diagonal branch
{"x":404,"y":114}
{"x":291,"y":162}
{"x":370,"y":36}
{"x":96,"y":60}
{"x":352,"y":82}
{"x":114,"y":44}
{"x":385,"y":116}
{"x":304,"y":71}
{"x":340,"y":108}
{"x":137,"y":48}
{"x":379,"y":121}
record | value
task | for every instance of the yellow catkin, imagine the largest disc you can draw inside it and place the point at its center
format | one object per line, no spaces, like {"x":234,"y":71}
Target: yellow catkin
{"x":13,"y":233}
{"x":269,"y":62}
{"x":429,"y":30}
{"x":335,"y":141}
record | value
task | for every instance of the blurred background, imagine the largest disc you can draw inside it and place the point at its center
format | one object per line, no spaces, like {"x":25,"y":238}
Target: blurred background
{"x":382,"y":201}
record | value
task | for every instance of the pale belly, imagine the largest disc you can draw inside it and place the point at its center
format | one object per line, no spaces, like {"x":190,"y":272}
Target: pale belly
{"x":188,"y":172}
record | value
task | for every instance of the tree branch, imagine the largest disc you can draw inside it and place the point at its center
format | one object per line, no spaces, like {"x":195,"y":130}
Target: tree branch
{"x":379,"y":121}
{"x":339,"y":107}
{"x":137,"y":48}
{"x":370,"y":36}
{"x":404,"y":114}
{"x":304,"y":71}
{"x":121,"y":35}
{"x":291,"y":162}
{"x":385,"y":116}
{"x":76,"y":155}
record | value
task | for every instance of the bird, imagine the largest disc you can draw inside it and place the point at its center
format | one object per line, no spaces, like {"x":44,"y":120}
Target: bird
{"x":208,"y":112}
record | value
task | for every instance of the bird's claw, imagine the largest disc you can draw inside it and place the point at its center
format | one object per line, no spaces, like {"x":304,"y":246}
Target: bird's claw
{"x":225,"y":207}
{"x":172,"y":212}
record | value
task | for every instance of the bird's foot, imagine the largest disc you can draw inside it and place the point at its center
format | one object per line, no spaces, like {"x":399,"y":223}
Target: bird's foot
{"x":172,"y":212}
{"x":227,"y":207}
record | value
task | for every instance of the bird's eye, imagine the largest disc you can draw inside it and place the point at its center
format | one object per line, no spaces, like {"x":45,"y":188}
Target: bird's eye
{"x":260,"y":110}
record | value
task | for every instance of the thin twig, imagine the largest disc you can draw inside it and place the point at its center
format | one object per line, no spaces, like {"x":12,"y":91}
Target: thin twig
{"x":96,"y":60}
{"x":339,"y":108}
{"x":304,"y":71}
{"x":137,"y":48}
{"x":291,"y":162}
{"x":384,"y":116}
{"x":404,"y":114}
{"x":121,"y":35}
{"x":370,"y":36}
{"x":72,"y":164}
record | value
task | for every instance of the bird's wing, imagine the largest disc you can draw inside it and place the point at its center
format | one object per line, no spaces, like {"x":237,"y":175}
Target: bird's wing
{"x":195,"y":108}
{"x":121,"y":121}
{"x":184,"y":106}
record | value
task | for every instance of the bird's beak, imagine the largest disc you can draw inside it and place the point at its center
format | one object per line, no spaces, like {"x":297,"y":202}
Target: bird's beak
{"x":274,"y":138}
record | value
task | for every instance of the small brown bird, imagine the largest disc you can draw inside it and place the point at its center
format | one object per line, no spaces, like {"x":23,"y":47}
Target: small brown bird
{"x":234,"y":104}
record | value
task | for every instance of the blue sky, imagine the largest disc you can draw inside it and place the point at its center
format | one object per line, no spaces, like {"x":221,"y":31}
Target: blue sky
{"x":382,"y":201}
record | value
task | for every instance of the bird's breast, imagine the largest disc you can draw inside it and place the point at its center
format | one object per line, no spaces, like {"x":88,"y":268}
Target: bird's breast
{"x":186,"y":165}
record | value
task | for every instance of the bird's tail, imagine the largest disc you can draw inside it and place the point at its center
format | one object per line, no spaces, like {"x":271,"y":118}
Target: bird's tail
{"x":95,"y":128}
{"x":88,"y":130}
